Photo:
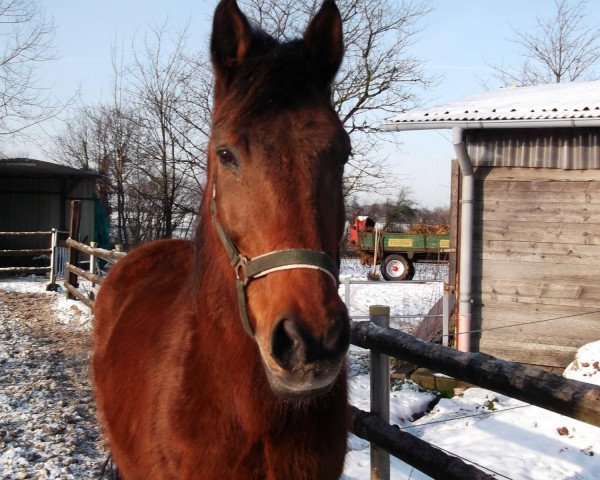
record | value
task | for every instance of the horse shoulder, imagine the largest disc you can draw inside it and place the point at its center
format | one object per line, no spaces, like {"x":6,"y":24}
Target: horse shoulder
{"x":140,"y":304}
{"x":160,"y":264}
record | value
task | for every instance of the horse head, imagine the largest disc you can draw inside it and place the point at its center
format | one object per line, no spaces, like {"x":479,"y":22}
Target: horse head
{"x":276,"y":159}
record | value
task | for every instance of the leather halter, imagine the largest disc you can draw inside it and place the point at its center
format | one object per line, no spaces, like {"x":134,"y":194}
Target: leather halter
{"x":247,"y":270}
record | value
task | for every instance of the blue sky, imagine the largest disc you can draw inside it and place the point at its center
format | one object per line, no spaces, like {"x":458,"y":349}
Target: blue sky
{"x":458,"y":39}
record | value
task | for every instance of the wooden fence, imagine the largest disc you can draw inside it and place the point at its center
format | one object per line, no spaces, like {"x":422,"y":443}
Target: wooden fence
{"x":532,"y":385}
{"x":72,"y":282}
{"x":33,"y":252}
{"x":75,"y":249}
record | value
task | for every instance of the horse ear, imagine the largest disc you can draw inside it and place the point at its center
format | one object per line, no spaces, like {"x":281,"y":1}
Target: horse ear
{"x":323,"y":40}
{"x":230,"y":40}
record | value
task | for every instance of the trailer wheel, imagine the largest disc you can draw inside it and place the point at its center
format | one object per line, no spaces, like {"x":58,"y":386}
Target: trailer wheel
{"x":397,"y":267}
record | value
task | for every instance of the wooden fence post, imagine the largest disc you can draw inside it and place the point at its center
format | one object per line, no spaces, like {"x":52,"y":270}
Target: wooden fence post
{"x":73,"y":253}
{"x":93,"y":261}
{"x":53,"y":264}
{"x":92,"y":269}
{"x":380,"y":393}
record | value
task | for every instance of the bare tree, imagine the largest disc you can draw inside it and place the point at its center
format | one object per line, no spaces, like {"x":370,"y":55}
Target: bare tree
{"x":560,"y":49}
{"x":77,"y":143}
{"x":379,"y":75}
{"x":159,"y":84}
{"x":103,"y":139}
{"x":147,"y":143}
{"x":27,"y":43}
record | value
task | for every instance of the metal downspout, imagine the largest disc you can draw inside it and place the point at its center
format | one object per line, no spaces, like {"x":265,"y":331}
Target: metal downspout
{"x":466,"y":241}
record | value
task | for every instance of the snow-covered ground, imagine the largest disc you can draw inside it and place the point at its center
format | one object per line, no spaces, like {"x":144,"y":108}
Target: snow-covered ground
{"x":47,"y":427}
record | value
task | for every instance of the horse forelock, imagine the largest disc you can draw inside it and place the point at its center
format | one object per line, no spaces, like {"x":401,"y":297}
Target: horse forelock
{"x":274,"y":77}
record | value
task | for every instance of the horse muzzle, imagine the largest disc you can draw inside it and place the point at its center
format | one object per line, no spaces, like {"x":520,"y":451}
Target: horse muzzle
{"x":299,"y":364}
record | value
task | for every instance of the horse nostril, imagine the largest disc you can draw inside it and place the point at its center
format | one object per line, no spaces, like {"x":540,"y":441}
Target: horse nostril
{"x":288,"y":344}
{"x":338,"y":337}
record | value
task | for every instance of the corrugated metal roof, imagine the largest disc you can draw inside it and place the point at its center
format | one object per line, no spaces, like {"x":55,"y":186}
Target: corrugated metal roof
{"x":28,"y":167}
{"x":537,"y":104}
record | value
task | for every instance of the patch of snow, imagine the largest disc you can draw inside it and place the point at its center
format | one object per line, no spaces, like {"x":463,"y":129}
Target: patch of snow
{"x":72,"y":313}
{"x":28,"y":284}
{"x":409,"y":302}
{"x":586,"y":366}
{"x":510,"y":437}
{"x":405,"y":402}
{"x":48,"y":428}
{"x":69,"y":312}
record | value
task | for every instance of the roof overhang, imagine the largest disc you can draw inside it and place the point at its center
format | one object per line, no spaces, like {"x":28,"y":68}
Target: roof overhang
{"x":493,"y":124}
{"x":31,"y":168}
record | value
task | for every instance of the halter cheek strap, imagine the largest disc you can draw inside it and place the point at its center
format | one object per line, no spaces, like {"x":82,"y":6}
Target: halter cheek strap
{"x":247,"y":270}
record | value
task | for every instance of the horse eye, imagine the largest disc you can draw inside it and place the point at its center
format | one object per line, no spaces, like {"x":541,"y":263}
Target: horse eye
{"x":227,"y":158}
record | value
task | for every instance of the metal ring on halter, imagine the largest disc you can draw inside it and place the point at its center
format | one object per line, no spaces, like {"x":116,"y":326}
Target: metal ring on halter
{"x":241,"y":266}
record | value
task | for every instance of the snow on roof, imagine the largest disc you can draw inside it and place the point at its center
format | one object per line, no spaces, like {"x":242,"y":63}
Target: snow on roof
{"x":572,"y":103}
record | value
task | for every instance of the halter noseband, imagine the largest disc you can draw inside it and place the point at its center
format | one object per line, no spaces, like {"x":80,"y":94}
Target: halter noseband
{"x":246,"y":270}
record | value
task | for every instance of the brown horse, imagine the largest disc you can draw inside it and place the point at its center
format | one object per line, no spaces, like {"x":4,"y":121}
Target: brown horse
{"x":223,"y":358}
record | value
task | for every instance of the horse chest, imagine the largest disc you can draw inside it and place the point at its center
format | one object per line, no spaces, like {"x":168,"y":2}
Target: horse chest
{"x":258,"y":439}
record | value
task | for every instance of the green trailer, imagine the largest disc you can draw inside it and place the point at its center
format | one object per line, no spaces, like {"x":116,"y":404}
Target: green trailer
{"x":397,"y":252}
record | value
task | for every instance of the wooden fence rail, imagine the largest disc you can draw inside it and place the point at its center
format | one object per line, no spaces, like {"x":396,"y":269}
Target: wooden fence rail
{"x":32,"y":252}
{"x":25,"y":234}
{"x":109,"y":255}
{"x":91,"y":277}
{"x":71,"y":282}
{"x":532,"y":385}
{"x":25,"y":252}
{"x":73,"y":293}
{"x":412,"y":450}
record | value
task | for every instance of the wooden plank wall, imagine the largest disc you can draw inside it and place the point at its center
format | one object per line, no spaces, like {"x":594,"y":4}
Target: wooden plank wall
{"x":536,"y":257}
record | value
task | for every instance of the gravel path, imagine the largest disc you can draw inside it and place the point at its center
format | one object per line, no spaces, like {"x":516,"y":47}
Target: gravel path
{"x":48,"y":428}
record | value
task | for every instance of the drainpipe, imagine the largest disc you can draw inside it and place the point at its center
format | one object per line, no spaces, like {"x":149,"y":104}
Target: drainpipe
{"x":466,"y":241}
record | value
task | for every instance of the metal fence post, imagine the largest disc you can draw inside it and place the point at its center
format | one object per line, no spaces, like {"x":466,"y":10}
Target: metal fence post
{"x":446,"y":316}
{"x":380,"y":394}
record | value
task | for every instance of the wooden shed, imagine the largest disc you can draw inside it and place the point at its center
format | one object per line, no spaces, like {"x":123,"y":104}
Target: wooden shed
{"x":526,"y":218}
{"x":35,"y":196}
